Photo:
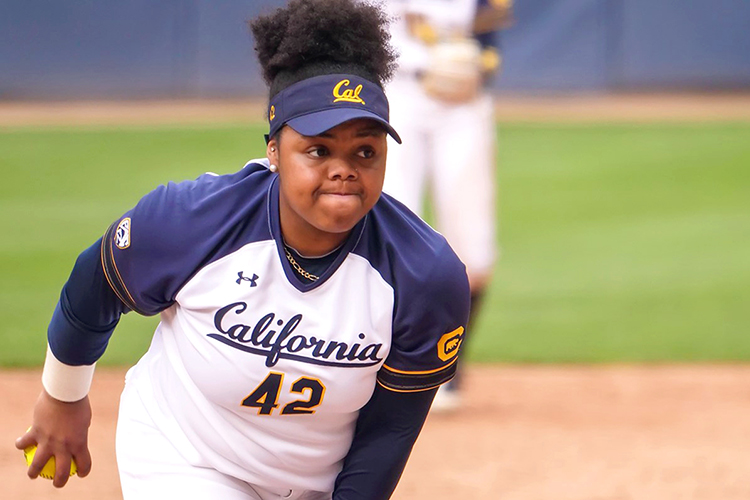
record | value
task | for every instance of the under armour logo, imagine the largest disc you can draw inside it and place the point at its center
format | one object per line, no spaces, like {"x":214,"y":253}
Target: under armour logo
{"x":251,"y":280}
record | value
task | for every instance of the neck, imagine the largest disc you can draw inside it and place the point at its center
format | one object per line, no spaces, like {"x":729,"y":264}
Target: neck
{"x":312,"y":248}
{"x":306,"y":239}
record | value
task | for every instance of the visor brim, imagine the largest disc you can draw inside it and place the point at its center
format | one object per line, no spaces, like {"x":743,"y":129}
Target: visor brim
{"x":318,"y":122}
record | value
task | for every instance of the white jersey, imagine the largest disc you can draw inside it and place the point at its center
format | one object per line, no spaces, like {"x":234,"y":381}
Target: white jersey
{"x":253,"y":372}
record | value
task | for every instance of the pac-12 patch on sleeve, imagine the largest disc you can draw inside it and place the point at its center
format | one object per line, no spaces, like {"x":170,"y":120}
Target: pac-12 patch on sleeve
{"x":122,"y":234}
{"x":448,"y":345}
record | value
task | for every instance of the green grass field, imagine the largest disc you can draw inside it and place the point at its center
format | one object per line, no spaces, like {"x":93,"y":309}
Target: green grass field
{"x":620,"y":243}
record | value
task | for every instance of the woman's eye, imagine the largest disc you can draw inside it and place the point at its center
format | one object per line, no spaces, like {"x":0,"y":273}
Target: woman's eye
{"x":318,"y":152}
{"x":366,"y":153}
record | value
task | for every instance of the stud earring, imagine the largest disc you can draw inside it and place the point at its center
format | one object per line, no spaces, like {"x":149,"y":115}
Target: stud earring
{"x":273,"y":149}
{"x":273,"y":168}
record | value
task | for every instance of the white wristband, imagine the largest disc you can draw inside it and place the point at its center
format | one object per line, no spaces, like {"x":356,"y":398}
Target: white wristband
{"x":65,"y":382}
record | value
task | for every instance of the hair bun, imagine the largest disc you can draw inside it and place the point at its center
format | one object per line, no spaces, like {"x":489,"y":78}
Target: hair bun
{"x":312,"y":37}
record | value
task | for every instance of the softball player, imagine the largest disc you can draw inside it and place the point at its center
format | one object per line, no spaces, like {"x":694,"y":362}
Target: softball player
{"x":442,"y":66}
{"x":306,"y":320}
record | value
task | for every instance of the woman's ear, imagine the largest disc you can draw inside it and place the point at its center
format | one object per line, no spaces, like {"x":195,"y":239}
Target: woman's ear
{"x":272,"y":153}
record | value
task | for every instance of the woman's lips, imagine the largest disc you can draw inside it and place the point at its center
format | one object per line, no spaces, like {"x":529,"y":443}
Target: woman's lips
{"x":340,"y":193}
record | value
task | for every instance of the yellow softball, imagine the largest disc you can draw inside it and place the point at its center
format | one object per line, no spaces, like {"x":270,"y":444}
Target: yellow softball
{"x":48,"y":471}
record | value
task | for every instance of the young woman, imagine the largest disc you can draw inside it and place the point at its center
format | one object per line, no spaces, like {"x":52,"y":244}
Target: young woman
{"x":306,"y":319}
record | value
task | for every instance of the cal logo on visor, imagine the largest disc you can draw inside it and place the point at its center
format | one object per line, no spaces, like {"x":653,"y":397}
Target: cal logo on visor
{"x":346,"y":94}
{"x":272,"y":114}
{"x":122,"y":235}
{"x":449,"y":343}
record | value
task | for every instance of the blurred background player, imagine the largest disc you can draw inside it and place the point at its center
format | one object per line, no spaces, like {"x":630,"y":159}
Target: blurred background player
{"x":448,"y":51}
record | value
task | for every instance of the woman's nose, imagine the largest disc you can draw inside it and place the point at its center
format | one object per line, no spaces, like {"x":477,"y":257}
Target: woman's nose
{"x":340,"y":168}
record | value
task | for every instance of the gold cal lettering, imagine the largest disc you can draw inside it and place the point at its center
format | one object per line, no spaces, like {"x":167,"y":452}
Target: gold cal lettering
{"x":349,"y":95}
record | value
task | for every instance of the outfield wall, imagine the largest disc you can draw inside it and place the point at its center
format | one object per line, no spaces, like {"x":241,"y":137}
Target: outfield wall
{"x":201,"y":48}
{"x":628,"y":45}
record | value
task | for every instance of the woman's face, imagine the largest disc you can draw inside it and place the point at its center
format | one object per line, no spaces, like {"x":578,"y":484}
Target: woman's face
{"x":327,"y":182}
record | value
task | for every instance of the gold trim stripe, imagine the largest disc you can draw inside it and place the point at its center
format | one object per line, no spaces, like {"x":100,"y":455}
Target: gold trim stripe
{"x":106,"y":274}
{"x":403,"y":391}
{"x":107,"y":240}
{"x":425,"y":372}
{"x":119,"y":277}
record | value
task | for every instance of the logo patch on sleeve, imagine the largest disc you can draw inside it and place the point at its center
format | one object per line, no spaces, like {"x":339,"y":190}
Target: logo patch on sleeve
{"x":449,"y":343}
{"x":122,"y":235}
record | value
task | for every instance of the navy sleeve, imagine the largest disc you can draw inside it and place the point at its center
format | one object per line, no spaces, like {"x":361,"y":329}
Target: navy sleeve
{"x":387,"y":428}
{"x":86,"y":314}
{"x":431,"y":296}
{"x":144,"y":253}
{"x":432,"y":309}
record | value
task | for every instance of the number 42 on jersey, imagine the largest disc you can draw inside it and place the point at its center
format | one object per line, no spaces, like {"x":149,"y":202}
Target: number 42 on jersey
{"x":265,"y":397}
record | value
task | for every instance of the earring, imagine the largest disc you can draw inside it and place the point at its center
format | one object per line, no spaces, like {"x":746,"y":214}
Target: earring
{"x":273,"y":168}
{"x":273,"y":149}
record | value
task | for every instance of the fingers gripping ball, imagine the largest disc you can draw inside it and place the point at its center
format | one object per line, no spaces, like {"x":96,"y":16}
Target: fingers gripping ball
{"x":48,"y":471}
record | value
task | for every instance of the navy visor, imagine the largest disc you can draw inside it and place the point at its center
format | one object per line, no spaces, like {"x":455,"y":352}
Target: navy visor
{"x":317,"y":104}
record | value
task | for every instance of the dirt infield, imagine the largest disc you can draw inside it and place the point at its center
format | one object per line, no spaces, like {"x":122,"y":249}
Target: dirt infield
{"x":525,"y":433}
{"x":636,"y":108}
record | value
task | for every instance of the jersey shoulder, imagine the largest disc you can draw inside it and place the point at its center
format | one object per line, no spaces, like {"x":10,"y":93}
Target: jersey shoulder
{"x":151,"y":251}
{"x":406,"y":250}
{"x":211,"y":195}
